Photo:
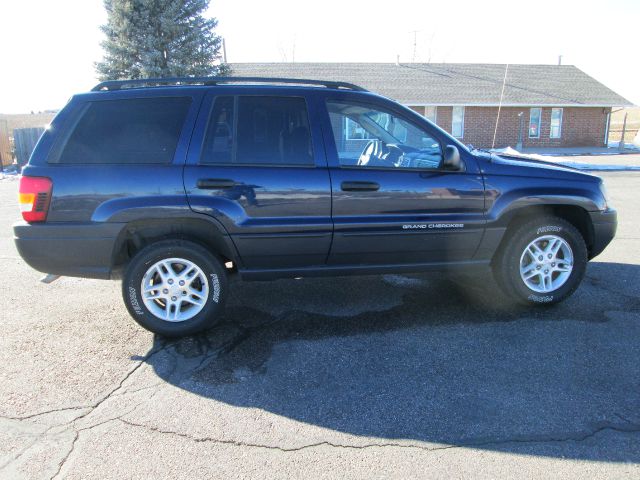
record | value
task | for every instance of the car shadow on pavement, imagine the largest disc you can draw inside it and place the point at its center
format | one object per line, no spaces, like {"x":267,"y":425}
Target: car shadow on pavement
{"x":427,"y":358}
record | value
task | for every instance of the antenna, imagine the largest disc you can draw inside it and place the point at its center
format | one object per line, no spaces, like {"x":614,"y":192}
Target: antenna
{"x":430,"y":45}
{"x":282,"y":51}
{"x":559,"y":59}
{"x":293,"y":50}
{"x":504,"y":82}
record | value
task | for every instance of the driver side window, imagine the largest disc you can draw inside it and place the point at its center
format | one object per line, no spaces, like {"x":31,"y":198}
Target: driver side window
{"x":371,"y":138}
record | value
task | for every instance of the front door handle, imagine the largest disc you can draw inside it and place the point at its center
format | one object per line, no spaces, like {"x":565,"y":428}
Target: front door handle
{"x":215,"y":183}
{"x":360,"y":186}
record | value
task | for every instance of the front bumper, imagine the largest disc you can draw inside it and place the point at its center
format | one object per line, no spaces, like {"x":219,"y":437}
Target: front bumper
{"x":69,"y":249}
{"x":604,"y":224}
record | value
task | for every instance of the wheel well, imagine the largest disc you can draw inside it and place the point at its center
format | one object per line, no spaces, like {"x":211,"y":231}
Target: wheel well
{"x":137,"y":235}
{"x":576,"y":216}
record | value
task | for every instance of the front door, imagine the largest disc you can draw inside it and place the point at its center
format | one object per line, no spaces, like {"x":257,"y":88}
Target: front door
{"x":393,"y":202}
{"x":257,"y":165}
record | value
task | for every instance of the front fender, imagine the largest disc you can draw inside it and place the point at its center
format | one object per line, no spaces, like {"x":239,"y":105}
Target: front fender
{"x":505,"y":208}
{"x":507,"y":195}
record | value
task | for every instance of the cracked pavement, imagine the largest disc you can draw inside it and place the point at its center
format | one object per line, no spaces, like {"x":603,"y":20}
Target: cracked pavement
{"x":365,"y":377}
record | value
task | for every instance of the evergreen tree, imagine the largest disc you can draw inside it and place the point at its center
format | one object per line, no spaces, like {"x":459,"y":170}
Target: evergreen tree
{"x":159,"y":38}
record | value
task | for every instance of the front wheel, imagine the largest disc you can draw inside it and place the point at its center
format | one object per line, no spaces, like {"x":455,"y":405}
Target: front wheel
{"x":175,"y":288}
{"x":543,"y":261}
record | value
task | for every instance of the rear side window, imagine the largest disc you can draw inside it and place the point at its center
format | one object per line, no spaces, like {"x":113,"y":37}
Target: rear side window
{"x":218,"y":144}
{"x":258,"y":130}
{"x":140,"y":130}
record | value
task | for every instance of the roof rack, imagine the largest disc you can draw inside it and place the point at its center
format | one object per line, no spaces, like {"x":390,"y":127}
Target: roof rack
{"x":149,"y":82}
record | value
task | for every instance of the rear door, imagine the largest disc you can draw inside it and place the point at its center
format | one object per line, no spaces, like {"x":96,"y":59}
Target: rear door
{"x":393,"y":203}
{"x":257,"y":164}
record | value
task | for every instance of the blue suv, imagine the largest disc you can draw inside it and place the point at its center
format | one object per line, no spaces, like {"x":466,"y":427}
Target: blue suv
{"x":173,"y":185}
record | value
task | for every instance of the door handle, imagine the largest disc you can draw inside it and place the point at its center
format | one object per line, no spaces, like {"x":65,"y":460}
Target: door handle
{"x":215,"y":183}
{"x":360,"y":186}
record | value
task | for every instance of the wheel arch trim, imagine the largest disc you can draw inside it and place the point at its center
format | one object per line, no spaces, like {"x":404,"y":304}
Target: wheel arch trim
{"x":198,"y":228}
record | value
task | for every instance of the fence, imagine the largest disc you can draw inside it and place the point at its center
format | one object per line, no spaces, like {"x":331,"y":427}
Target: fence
{"x":5,"y":148}
{"x":24,"y":140}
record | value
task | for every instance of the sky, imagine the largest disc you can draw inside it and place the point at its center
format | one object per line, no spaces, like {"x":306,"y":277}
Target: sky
{"x":49,"y":47}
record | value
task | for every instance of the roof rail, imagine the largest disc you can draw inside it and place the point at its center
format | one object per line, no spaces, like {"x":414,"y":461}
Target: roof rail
{"x":148,"y":82}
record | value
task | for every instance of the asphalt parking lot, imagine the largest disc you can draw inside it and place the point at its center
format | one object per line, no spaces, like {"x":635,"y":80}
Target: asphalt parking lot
{"x":372,"y":377}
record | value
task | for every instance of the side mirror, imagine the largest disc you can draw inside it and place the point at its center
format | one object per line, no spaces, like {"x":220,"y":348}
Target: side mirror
{"x":451,"y":160}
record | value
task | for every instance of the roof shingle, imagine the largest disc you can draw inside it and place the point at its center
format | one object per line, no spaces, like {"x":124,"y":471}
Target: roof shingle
{"x":454,"y":83}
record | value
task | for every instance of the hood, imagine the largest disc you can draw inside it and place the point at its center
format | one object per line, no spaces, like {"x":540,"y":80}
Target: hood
{"x":516,"y":165}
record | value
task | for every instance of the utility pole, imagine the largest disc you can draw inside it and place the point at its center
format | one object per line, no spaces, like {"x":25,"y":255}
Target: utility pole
{"x":624,"y":128}
{"x":415,"y":44}
{"x":224,"y":51}
{"x":4,"y":143}
{"x":559,"y":59}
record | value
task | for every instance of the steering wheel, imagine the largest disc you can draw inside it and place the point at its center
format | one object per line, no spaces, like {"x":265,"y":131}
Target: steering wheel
{"x":365,"y":157}
{"x":377,"y":154}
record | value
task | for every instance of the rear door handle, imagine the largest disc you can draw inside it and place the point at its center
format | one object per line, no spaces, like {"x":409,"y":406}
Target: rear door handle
{"x":215,"y":183}
{"x":360,"y":186}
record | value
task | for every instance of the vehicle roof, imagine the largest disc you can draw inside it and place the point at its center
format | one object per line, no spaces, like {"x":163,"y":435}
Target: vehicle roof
{"x":221,"y":80}
{"x":233,"y":88}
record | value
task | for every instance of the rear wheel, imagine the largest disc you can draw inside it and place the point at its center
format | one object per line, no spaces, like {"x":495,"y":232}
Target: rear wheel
{"x":175,"y":288}
{"x":543,"y":261}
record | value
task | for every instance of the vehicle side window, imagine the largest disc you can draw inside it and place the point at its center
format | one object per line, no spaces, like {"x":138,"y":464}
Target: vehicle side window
{"x":268,"y":131}
{"x":218,"y":143}
{"x":370,"y":137}
{"x":134,"y":131}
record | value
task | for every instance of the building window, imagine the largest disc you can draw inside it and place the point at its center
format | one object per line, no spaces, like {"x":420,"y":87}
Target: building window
{"x":457,"y":122}
{"x":535,"y":117}
{"x":556,"y":123}
{"x":353,"y":131}
{"x":431,"y":113}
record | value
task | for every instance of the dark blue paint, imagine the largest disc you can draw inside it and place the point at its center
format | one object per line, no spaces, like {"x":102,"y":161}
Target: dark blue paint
{"x":298,"y":219}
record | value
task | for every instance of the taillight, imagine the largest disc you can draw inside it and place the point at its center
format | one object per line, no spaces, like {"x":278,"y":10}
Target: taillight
{"x":34,"y":196}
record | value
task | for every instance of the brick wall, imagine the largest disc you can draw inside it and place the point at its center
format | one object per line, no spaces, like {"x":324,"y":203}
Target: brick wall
{"x":581,"y":126}
{"x":444,"y":116}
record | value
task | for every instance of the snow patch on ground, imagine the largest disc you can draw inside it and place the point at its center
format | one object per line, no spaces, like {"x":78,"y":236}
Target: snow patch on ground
{"x":628,"y":146}
{"x":580,"y":166}
{"x":7,"y":176}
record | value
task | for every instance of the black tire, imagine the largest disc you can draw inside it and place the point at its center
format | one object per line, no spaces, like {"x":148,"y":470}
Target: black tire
{"x":507,"y":267}
{"x":210,"y":265}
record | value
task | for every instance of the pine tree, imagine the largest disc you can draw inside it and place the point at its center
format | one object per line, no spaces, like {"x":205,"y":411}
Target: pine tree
{"x":159,"y":38}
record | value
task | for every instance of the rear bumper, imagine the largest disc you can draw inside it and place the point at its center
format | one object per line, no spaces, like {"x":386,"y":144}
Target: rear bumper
{"x":605,"y":224}
{"x":69,"y":249}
